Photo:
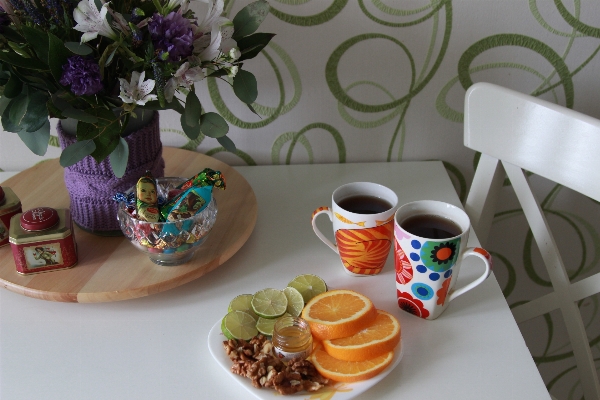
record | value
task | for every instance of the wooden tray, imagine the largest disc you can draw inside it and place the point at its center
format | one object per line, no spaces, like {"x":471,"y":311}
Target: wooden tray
{"x":110,"y":268}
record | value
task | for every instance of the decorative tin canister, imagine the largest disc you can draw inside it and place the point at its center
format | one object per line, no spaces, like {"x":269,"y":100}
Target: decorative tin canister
{"x":9,"y":206}
{"x":42,"y":240}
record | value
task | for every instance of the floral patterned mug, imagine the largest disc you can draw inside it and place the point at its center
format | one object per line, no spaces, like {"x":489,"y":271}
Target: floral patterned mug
{"x":430,"y":244}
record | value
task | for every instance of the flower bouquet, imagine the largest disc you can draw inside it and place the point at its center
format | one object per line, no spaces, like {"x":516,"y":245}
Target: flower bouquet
{"x":100,"y":62}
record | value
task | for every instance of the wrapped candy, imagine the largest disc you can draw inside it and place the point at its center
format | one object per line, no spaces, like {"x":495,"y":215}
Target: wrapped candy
{"x":147,"y":199}
{"x":196,"y":194}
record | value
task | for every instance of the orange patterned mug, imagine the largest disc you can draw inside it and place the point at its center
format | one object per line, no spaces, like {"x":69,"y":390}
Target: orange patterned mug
{"x":362,"y":214}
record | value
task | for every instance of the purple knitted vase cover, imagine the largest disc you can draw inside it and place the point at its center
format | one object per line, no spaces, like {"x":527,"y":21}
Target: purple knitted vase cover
{"x":91,"y":185}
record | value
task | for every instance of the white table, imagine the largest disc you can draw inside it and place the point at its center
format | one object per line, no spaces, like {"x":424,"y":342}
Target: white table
{"x":155,"y":347}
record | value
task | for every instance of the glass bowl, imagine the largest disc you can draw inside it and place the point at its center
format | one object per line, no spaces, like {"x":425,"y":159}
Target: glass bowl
{"x":172,"y":242}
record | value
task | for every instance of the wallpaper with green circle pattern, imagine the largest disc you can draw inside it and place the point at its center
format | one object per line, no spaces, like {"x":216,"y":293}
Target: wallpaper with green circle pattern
{"x":384,"y":80}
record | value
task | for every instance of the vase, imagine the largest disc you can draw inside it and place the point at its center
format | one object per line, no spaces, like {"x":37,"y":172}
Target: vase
{"x":91,"y":185}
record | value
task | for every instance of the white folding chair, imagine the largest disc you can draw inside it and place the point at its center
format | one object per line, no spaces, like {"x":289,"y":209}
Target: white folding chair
{"x":516,"y":132}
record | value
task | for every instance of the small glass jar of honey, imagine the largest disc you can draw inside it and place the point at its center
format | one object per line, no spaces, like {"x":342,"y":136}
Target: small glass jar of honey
{"x":291,"y":338}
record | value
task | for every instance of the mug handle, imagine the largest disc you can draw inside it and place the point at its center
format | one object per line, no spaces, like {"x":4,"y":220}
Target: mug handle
{"x":317,"y":212}
{"x":487,"y":260}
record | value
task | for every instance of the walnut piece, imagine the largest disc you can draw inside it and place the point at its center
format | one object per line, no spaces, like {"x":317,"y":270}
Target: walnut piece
{"x":254,"y":359}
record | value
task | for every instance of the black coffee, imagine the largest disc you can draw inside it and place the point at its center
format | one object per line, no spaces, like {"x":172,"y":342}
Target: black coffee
{"x":431,"y":226}
{"x":363,"y":204}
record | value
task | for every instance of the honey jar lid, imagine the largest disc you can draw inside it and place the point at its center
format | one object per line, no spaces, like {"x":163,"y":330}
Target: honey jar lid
{"x":39,"y":219}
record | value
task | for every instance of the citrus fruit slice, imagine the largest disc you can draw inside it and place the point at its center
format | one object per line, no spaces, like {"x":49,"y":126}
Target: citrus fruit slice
{"x":269,"y":303}
{"x":295,"y":301}
{"x":308,"y":285}
{"x":348,"y":371}
{"x":338,"y":313}
{"x":243,"y":302}
{"x":382,"y":336}
{"x":239,"y":325}
{"x":265,"y":325}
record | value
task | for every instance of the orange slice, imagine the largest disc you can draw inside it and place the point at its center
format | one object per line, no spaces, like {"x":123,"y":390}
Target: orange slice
{"x":379,"y":338}
{"x":348,"y":371}
{"x":338,"y":313}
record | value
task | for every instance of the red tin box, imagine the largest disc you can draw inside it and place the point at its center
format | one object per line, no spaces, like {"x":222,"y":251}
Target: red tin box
{"x":42,"y":240}
{"x":9,"y":206}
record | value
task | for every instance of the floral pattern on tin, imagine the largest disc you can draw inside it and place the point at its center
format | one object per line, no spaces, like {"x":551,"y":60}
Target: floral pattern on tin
{"x":439,"y":256}
{"x":404,"y":271}
{"x":411,"y":305}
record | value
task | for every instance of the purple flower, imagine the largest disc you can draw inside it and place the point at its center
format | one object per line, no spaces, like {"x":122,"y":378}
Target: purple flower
{"x":83,"y":75}
{"x":172,"y":34}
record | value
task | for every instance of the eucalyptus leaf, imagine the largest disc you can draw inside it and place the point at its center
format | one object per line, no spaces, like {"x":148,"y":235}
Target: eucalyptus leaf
{"x":4,"y":101}
{"x":57,"y":56}
{"x":79,"y":48}
{"x":13,"y":87}
{"x":227,"y":144}
{"x":192,"y":132}
{"x":7,"y":124}
{"x":213,"y":125}
{"x":38,"y":40}
{"x":76,"y":152}
{"x":249,"y":18}
{"x":119,"y":158}
{"x":245,"y":86}
{"x":79,"y":115}
{"x":36,"y":113}
{"x":192,"y":109}
{"x":18,"y":108}
{"x":37,"y":141}
{"x":16,"y":60}
{"x":251,"y":45}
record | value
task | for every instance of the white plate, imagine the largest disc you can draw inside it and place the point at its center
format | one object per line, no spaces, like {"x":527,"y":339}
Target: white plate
{"x":342,"y":391}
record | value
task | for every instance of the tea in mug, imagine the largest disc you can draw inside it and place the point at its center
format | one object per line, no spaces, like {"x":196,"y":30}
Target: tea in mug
{"x":431,"y":226}
{"x":364,"y":204}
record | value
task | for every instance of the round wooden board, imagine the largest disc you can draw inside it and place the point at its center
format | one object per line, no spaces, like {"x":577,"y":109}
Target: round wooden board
{"x":110,"y":268}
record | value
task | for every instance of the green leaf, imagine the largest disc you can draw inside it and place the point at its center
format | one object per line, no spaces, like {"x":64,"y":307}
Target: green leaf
{"x":7,"y":124}
{"x":37,"y":113}
{"x":227,"y":144}
{"x":37,"y":141}
{"x":13,"y":87}
{"x":251,"y":45}
{"x":20,"y":62}
{"x":106,"y":133}
{"x":192,"y":109}
{"x":79,"y":48}
{"x":245,"y":87}
{"x":79,"y":115}
{"x":38,"y":40}
{"x":213,"y":125}
{"x":76,"y":152}
{"x":192,"y":132}
{"x":4,"y":101}
{"x":119,"y":158}
{"x":107,"y":57}
{"x":57,"y":56}
{"x":249,"y":18}
{"x":18,"y":108}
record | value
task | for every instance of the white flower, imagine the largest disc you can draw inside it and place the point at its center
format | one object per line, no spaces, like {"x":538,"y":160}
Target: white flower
{"x":137,"y":91}
{"x":227,"y":43}
{"x":91,"y":21}
{"x":213,"y":16}
{"x":184,"y":77}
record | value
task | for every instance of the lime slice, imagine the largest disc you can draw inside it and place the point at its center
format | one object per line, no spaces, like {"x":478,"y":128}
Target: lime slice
{"x":243,"y":302}
{"x":308,"y":285}
{"x":295,"y":301}
{"x":269,"y":303}
{"x":239,"y":325}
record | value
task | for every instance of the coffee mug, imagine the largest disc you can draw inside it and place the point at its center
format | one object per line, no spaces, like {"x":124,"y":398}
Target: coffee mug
{"x":429,"y":247}
{"x":362,"y":215}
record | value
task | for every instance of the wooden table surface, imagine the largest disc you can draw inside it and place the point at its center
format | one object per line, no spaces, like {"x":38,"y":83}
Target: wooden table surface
{"x":111,"y":268}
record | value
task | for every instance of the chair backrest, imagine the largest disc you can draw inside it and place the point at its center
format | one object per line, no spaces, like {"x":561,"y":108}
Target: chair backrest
{"x":516,"y":132}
